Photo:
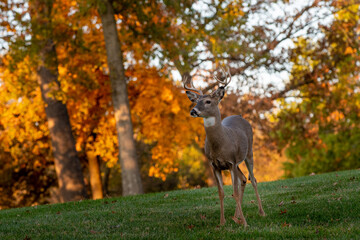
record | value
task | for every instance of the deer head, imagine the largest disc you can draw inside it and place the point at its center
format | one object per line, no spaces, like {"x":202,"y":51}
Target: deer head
{"x":206,"y":105}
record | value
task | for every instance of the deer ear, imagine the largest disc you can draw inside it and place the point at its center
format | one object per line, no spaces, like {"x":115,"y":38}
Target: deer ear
{"x":218,"y":94}
{"x":192,"y":96}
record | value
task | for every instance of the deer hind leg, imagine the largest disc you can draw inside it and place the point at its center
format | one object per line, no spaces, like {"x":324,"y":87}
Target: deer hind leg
{"x":236,"y":181}
{"x":242,"y":189}
{"x":250,"y":164}
{"x":219,"y":183}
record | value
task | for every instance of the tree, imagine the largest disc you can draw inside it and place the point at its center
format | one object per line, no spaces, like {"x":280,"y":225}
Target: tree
{"x":321,"y":128}
{"x":67,"y":164}
{"x":131,"y":179}
{"x":157,"y":38}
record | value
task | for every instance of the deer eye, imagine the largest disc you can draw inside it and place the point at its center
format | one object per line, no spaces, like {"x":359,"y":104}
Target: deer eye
{"x":208,"y":102}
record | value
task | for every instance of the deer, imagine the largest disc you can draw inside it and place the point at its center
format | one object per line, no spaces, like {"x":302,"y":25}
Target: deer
{"x":228,"y":143}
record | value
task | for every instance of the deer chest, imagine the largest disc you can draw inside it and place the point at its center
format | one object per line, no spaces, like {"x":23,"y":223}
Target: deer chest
{"x":217,"y":160}
{"x":219,"y":154}
{"x":221,"y":165}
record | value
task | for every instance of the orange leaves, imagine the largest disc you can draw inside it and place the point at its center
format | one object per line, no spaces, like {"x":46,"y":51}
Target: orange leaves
{"x":283,"y":211}
{"x":350,"y":50}
{"x":335,"y":116}
{"x":166,"y":95}
{"x":160,"y":115}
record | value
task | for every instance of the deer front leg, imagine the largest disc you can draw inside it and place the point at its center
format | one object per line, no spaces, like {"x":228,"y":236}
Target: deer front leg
{"x":219,"y":183}
{"x":236,"y":181}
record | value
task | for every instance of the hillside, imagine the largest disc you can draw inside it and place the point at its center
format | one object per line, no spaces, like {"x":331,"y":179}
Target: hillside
{"x":320,"y":206}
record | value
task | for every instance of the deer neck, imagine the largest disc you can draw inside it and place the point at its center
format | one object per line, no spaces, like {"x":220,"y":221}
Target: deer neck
{"x":213,"y":128}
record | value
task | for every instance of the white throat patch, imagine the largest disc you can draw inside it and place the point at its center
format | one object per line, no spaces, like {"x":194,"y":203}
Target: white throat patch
{"x":209,"y":122}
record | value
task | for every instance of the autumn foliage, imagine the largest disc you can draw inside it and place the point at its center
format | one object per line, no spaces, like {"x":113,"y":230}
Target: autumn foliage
{"x":309,"y":123}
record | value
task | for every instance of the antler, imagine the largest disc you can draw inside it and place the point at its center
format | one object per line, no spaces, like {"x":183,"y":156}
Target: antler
{"x":227,"y":79}
{"x":187,"y":80}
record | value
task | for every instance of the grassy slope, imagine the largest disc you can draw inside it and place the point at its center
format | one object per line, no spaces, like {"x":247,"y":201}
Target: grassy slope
{"x":320,"y":206}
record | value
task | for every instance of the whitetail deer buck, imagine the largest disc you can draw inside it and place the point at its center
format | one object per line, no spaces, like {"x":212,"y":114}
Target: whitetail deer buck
{"x":228,"y":143}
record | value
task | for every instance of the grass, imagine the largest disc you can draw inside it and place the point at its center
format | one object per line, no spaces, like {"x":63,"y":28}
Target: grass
{"x":316,"y":207}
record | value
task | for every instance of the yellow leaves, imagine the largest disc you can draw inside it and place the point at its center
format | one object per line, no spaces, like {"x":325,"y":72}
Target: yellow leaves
{"x":215,"y":47}
{"x":348,"y":13}
{"x":234,"y":10}
{"x":37,"y":164}
{"x":153,"y":172}
{"x":350,"y":50}
{"x":213,"y":41}
{"x":167,"y":95}
{"x":175,"y":108}
{"x":62,"y":70}
{"x":78,"y":144}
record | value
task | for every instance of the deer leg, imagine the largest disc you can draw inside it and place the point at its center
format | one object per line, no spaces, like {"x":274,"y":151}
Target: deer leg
{"x":219,"y":183}
{"x":249,"y":165}
{"x":235,"y":179}
{"x":242,"y":189}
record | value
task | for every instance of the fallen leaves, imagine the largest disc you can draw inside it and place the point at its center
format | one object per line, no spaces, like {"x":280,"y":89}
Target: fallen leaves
{"x":286,"y":224}
{"x":190,"y":227}
{"x":283,"y":211}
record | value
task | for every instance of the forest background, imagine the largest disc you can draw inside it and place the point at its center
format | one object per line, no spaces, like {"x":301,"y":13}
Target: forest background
{"x":92,"y":104}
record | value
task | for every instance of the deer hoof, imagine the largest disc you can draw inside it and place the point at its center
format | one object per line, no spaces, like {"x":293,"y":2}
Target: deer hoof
{"x":262,"y":213}
{"x":222,"y":222}
{"x":238,"y":221}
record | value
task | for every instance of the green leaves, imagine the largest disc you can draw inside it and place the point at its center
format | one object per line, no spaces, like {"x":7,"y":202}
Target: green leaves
{"x":320,"y":129}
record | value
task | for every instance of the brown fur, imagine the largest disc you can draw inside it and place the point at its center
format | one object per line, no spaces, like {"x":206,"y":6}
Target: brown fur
{"x":227,"y":144}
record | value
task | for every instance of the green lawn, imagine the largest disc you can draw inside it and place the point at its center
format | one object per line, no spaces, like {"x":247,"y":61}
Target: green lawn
{"x":316,"y":207}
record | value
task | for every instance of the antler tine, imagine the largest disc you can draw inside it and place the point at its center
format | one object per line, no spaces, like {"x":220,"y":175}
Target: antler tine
{"x":227,"y":79}
{"x":228,"y":72}
{"x":187,"y":80}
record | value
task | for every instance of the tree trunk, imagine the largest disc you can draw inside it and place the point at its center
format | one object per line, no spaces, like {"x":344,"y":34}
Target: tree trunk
{"x":67,"y":164}
{"x":95,"y":178}
{"x":130,"y":173}
{"x":106,"y":179}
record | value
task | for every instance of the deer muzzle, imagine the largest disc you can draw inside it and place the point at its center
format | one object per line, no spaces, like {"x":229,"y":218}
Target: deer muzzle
{"x":194,"y":113}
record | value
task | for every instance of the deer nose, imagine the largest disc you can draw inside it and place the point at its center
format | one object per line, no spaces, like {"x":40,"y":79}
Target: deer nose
{"x":194,"y":113}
